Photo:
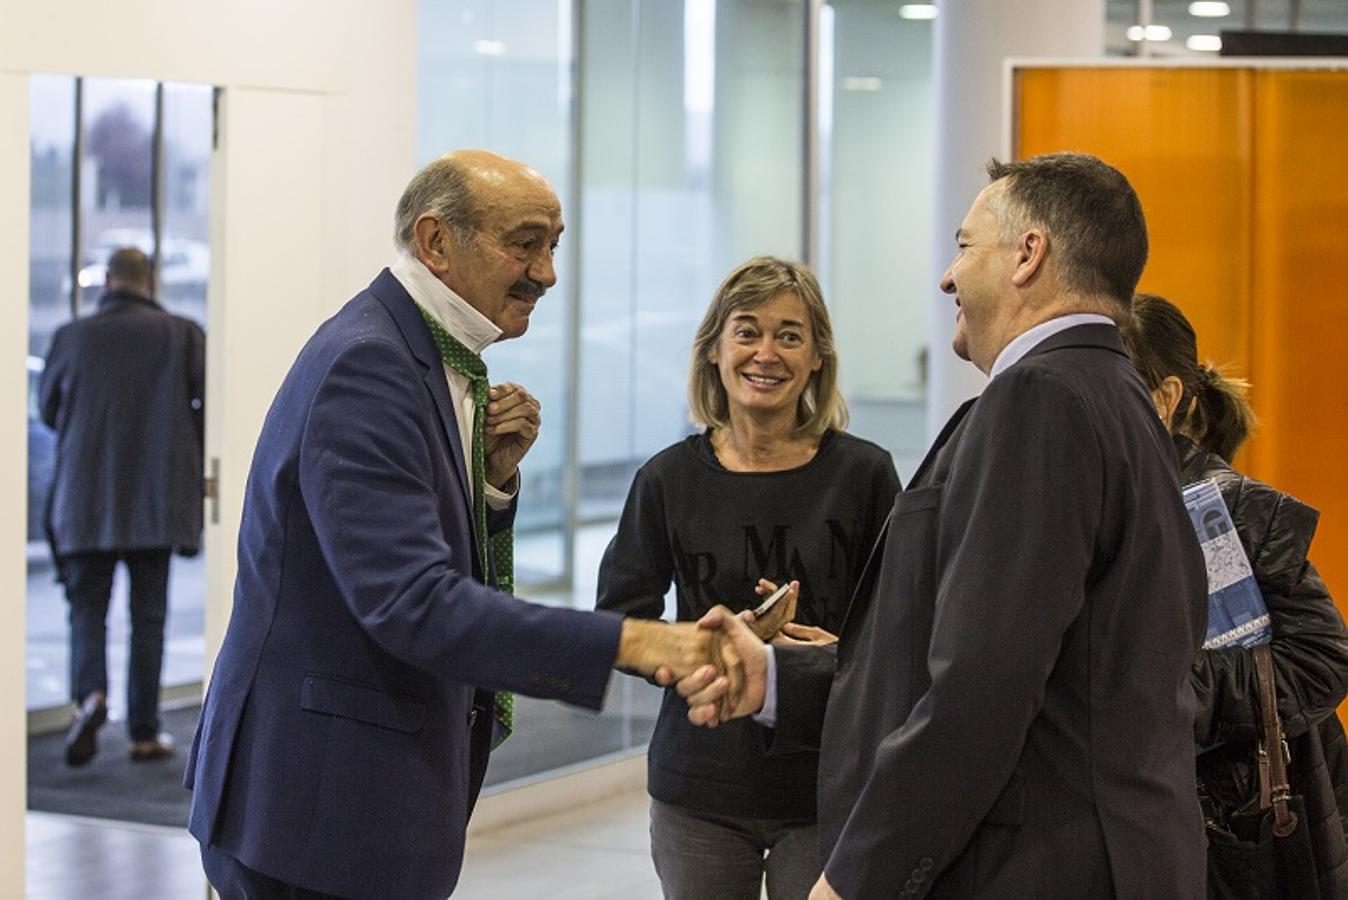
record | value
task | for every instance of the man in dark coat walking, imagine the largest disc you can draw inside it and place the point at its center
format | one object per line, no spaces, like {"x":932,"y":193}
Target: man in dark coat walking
{"x":123,"y":389}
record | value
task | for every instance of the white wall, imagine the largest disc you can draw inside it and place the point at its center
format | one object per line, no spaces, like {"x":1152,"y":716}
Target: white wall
{"x":13,"y":477}
{"x":318,"y":142}
{"x":973,"y":41}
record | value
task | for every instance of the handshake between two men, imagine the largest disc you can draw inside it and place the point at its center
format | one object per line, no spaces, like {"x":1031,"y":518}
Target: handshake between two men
{"x":719,"y":663}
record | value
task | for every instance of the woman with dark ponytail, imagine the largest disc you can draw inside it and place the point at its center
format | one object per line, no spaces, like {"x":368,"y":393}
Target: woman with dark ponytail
{"x":1207,"y":414}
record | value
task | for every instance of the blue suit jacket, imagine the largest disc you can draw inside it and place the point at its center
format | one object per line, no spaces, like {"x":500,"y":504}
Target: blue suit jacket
{"x":340,"y":747}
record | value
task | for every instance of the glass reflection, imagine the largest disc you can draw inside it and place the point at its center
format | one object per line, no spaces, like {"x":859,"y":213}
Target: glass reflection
{"x":184,"y":253}
{"x":116,"y":177}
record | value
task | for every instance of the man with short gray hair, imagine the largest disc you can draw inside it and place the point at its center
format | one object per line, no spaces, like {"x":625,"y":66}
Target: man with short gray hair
{"x":374,"y":642}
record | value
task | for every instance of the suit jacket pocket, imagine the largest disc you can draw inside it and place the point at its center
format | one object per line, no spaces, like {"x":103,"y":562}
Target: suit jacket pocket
{"x":892,"y":542}
{"x":916,"y":499}
{"x":335,"y":697}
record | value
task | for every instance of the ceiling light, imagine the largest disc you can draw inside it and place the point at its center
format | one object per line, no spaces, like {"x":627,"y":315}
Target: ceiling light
{"x":1210,"y":43}
{"x":922,"y":11}
{"x":1209,"y":9}
{"x":1150,"y":33}
{"x":489,"y":48}
{"x":861,"y":83}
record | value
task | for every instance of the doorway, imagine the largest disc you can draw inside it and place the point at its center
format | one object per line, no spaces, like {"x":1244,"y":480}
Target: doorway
{"x":115,"y":163}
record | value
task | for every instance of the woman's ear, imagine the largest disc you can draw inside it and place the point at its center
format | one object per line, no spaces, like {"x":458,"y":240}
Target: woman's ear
{"x":1167,"y":396}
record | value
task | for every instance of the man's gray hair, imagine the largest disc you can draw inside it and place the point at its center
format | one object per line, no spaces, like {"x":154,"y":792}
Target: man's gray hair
{"x":441,"y":190}
{"x":1096,"y":229}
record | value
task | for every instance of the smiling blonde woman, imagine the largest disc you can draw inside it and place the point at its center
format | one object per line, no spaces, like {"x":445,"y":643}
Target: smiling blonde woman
{"x":772,"y":489}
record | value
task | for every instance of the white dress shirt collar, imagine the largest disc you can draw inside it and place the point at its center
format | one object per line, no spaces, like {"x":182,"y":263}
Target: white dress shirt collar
{"x":1023,"y":343}
{"x":468,"y":326}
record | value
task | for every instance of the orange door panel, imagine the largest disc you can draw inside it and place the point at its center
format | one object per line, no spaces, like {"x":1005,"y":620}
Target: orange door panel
{"x":1299,"y":300}
{"x":1183,"y":138}
{"x":1243,"y":174}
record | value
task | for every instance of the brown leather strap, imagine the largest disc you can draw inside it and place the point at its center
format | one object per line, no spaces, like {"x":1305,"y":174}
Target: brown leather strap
{"x":1273,"y":756}
{"x":1265,"y":783}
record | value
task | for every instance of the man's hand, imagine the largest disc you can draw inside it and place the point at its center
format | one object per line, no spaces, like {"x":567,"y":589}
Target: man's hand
{"x":510,"y":427}
{"x":713,"y":697}
{"x":783,"y":611}
{"x":670,"y":651}
{"x":822,"y":890}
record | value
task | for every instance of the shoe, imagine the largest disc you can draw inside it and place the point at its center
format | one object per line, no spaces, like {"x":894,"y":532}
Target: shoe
{"x":148,"y":751}
{"x":82,"y":738}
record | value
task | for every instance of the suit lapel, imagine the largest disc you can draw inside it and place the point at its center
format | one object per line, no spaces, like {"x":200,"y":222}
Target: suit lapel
{"x":390,"y":292}
{"x":941,"y":439}
{"x":866,"y":583}
{"x":1103,"y":336}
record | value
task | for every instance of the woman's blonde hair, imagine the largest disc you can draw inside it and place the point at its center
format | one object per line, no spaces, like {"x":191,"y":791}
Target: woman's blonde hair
{"x":750,"y":285}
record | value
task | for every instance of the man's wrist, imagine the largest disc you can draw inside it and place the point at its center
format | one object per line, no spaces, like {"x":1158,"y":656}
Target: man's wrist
{"x":634,"y":646}
{"x":508,"y":485}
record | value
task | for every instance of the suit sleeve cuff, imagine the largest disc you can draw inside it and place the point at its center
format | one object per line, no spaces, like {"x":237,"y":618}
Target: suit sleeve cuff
{"x":501,"y":499}
{"x":767,"y":716}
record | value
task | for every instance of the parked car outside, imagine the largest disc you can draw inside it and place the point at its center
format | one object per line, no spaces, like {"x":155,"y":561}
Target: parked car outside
{"x":41,"y":456}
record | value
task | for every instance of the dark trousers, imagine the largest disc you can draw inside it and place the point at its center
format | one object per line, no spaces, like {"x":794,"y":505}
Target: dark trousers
{"x":700,"y":856}
{"x":88,"y":581}
{"x":233,"y":880}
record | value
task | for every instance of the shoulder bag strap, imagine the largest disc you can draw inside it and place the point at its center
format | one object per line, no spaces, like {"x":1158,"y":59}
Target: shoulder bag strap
{"x":1273,"y":753}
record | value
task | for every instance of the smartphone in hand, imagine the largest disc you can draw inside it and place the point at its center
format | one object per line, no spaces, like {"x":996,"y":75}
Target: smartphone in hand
{"x":771,"y":601}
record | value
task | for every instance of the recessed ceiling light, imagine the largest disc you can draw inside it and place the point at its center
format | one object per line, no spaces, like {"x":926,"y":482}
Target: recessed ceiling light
{"x":917,"y":11}
{"x":1150,"y":33}
{"x":1209,"y":9}
{"x":1210,"y":43}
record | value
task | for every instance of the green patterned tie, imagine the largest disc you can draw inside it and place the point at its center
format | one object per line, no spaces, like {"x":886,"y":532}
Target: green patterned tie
{"x":470,"y":366}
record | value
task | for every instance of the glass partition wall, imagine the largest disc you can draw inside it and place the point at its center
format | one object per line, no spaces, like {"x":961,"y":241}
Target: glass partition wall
{"x":675,"y":133}
{"x":691,"y":162}
{"x":671,"y":134}
{"x":115,"y":163}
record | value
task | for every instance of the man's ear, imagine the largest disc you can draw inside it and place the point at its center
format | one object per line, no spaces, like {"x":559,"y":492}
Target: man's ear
{"x":430,"y":239}
{"x":1031,"y":250}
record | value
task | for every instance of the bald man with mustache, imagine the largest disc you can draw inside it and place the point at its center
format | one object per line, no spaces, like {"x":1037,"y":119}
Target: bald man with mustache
{"x":374,"y":643}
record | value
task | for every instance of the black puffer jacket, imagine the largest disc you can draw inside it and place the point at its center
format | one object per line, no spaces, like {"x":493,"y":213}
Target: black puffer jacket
{"x":1310,"y":656}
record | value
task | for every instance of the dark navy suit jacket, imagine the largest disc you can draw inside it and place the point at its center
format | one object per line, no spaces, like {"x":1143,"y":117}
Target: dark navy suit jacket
{"x":1011,"y":714}
{"x":340,"y":748}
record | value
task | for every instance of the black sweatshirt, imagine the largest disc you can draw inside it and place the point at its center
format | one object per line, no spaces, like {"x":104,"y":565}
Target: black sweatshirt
{"x":715,"y":533}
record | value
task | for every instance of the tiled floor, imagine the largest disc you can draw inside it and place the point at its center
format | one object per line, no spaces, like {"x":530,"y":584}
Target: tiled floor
{"x":596,"y":852}
{"x":75,"y":859}
{"x":599,"y":851}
